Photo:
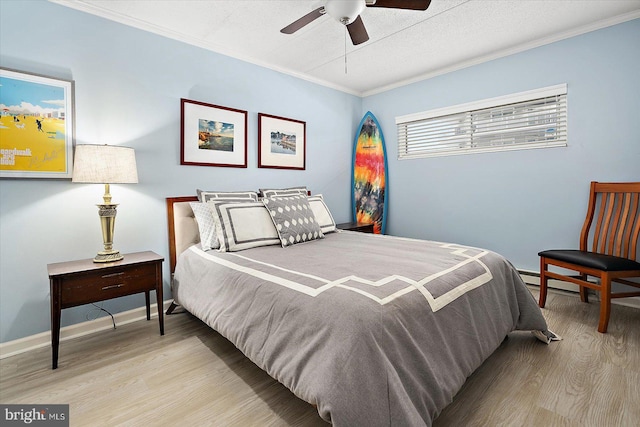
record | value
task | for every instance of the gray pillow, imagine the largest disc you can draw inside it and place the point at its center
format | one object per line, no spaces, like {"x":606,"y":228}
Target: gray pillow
{"x":205,"y":196}
{"x":294,"y":219}
{"x":282,"y":192}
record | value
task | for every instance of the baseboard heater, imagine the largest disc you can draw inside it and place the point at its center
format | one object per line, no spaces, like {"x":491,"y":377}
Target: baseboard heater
{"x":533,"y":278}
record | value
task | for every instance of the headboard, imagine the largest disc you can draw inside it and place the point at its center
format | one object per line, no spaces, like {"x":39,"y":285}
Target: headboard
{"x":183,"y":229}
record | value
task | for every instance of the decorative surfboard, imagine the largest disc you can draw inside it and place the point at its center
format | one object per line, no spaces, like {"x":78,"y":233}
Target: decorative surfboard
{"x":369,"y":181}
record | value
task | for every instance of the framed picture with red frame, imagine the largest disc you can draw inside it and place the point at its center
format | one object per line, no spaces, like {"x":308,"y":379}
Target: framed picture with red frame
{"x":282,"y":142}
{"x":212,"y":135}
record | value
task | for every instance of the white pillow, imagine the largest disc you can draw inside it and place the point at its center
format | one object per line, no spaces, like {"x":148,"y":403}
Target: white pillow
{"x":206,"y":219}
{"x":242,"y":226}
{"x":322,"y":213}
{"x":206,"y":225}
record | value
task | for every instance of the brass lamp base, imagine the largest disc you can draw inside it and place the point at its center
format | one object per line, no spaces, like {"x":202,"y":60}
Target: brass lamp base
{"x":107,"y":212}
{"x":104,"y":256}
{"x":108,"y":257}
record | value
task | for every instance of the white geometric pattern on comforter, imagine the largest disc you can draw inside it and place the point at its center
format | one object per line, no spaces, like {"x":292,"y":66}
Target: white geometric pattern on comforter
{"x":436,"y":303}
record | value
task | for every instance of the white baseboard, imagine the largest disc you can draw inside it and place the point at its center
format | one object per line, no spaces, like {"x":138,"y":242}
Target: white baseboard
{"x":43,"y":339}
{"x":533,"y":278}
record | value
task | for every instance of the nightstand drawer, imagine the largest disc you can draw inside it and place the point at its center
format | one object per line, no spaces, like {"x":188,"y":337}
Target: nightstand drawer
{"x":85,"y":288}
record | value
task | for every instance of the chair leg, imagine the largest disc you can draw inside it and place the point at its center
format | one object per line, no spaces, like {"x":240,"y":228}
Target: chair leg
{"x":543,"y":283}
{"x":584,"y":291}
{"x":605,"y":303}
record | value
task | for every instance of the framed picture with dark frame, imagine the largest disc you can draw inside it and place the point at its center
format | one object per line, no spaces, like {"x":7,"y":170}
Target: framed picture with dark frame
{"x":36,"y":126}
{"x":211,"y":135}
{"x":282,"y":142}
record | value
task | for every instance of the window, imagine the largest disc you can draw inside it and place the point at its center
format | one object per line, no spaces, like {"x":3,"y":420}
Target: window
{"x":532,"y":119}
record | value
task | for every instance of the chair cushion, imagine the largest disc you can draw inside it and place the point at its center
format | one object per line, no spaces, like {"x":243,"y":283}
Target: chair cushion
{"x":591,"y":259}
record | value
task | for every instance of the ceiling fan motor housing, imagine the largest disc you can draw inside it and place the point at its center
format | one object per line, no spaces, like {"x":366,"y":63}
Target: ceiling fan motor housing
{"x":344,"y":11}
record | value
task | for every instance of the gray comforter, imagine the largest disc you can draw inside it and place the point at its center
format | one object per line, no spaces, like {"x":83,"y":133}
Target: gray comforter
{"x":374,"y":330}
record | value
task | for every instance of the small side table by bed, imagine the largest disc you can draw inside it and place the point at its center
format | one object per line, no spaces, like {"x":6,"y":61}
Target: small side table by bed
{"x":81,"y":282}
{"x":356,"y":226}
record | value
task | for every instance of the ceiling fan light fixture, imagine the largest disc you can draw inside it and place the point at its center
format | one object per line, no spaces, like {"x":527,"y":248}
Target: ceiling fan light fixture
{"x":345,"y":11}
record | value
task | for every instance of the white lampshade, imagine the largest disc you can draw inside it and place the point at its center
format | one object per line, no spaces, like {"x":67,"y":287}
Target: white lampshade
{"x":105,"y":164}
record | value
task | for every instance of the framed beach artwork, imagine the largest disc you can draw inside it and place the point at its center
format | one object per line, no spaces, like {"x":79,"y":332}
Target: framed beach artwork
{"x":282,"y":142}
{"x":212,"y":135}
{"x":36,"y":126}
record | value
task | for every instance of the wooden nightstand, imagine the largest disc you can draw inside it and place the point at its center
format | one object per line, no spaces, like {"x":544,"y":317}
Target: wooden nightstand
{"x":82,"y":282}
{"x":356,"y":226}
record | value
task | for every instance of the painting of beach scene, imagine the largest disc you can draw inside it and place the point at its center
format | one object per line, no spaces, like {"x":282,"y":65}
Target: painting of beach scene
{"x":283,"y":143}
{"x":215,"y":135}
{"x":212,"y":135}
{"x":36,"y":138}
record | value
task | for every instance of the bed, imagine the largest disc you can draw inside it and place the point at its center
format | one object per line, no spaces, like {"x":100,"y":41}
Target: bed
{"x":373,"y":330}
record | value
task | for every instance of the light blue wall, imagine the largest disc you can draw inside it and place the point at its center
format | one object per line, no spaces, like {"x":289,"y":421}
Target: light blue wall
{"x":128,"y":85}
{"x":520,"y":202}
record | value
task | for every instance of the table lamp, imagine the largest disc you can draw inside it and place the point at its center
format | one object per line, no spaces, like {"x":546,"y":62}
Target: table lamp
{"x":105,"y":164}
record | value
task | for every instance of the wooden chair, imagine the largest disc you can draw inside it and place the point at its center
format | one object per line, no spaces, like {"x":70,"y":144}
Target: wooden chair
{"x":614,"y":249}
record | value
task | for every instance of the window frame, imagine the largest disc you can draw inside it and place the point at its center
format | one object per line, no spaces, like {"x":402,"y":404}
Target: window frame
{"x":456,"y":127}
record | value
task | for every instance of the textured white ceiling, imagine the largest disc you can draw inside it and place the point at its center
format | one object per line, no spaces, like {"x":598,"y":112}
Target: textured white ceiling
{"x":404,"y":46}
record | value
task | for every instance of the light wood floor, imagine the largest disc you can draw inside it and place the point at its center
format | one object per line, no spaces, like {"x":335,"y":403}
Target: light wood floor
{"x":192,"y":376}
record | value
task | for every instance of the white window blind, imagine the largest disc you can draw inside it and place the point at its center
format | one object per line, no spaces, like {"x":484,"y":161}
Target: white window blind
{"x":532,"y":119}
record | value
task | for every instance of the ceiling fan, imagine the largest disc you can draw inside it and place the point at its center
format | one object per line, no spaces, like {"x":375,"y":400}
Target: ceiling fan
{"x":347,"y":12}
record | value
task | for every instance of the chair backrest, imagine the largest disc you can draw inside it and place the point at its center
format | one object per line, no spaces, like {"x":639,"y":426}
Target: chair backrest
{"x":617,"y":221}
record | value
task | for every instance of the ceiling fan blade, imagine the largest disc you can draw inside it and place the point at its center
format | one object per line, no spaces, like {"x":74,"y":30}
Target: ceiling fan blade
{"x":402,"y":4}
{"x":357,"y":31}
{"x":306,"y":19}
